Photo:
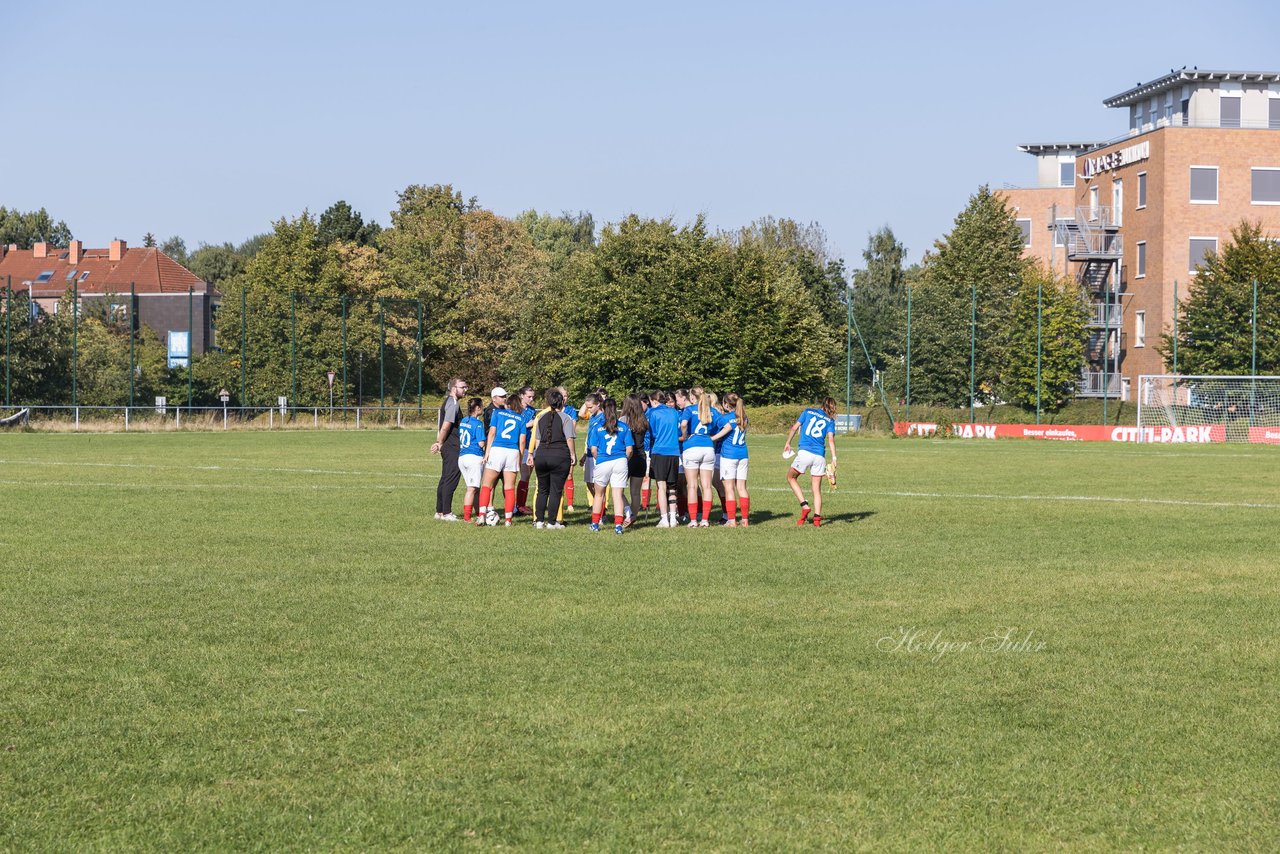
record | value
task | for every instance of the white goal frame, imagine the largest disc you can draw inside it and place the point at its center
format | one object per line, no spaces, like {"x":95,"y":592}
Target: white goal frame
{"x":1220,"y":408}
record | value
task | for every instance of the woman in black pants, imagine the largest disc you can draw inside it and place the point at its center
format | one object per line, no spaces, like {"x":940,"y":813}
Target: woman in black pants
{"x":552,"y":455}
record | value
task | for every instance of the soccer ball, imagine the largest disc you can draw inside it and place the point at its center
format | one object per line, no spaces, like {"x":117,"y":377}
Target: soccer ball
{"x":491,"y":518}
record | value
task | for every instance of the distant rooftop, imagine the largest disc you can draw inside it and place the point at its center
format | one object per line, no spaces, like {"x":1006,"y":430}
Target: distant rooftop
{"x":1057,"y":147}
{"x":1180,"y":76}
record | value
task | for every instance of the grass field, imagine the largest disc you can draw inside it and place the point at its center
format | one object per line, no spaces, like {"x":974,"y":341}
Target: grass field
{"x":262,"y":640}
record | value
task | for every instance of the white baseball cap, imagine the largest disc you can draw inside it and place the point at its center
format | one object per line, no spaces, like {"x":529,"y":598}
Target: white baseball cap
{"x":498,"y":391}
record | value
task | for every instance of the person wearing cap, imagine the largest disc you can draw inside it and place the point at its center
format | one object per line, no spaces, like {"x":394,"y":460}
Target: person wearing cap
{"x":446,"y":445}
{"x":504,"y":448}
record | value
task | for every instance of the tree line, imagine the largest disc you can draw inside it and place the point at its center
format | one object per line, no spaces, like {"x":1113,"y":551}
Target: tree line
{"x":451,"y":288}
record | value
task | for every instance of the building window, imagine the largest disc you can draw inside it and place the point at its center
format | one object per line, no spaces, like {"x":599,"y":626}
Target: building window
{"x":1025,"y":226}
{"x":1204,"y":185}
{"x":1142,"y":260}
{"x":1093,"y":203}
{"x":1266,"y":185}
{"x":1067,"y":174}
{"x":1201,"y":247}
{"x":1135,"y":117}
{"x":1142,"y":190}
{"x":1139,"y":329}
{"x":1230,"y":106}
{"x":1117,"y":203}
{"x":1059,"y":237}
{"x":1168,"y":108}
{"x":44,"y":276}
{"x":1273,"y":113}
{"x":1186,"y":112}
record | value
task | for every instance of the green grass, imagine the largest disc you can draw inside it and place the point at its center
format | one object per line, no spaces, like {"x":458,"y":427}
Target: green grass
{"x":262,"y":640}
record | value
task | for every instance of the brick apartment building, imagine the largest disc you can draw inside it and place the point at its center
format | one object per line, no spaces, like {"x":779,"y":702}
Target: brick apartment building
{"x":1131,"y":218}
{"x":166,"y":294}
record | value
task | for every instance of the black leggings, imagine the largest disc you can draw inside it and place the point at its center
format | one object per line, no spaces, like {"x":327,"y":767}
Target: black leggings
{"x":552,"y":471}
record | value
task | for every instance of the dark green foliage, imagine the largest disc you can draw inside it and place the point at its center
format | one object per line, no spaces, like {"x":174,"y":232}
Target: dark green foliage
{"x":1215,"y":331}
{"x":1062,"y":335}
{"x":340,"y":222}
{"x":28,"y":228}
{"x":982,"y":255}
{"x":880,"y":303}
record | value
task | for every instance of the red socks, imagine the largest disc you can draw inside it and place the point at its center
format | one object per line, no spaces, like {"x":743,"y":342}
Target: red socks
{"x":706,"y":511}
{"x":804,"y":513}
{"x":644,"y":499}
{"x":486,"y":495}
{"x":745,"y":503}
{"x":693,"y":511}
{"x":595,"y":517}
{"x":466,"y":513}
{"x":568,"y":492}
{"x":617,"y":520}
{"x":508,"y":502}
{"x":522,"y":492}
{"x":731,"y":508}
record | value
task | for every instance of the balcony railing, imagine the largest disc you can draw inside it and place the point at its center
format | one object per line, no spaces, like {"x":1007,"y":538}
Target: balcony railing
{"x":1099,"y":316}
{"x":1091,"y":384}
{"x":1182,"y":122}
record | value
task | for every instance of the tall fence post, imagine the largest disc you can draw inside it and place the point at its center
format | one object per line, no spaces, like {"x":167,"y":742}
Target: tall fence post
{"x":344,"y":357}
{"x":293,"y":349}
{"x":973,"y":345}
{"x":1253,"y":360}
{"x":382,"y":354}
{"x":191,"y":344}
{"x":848,"y":357}
{"x":419,"y":358}
{"x":908,"y":399}
{"x":1039,"y":347}
{"x":133,"y":335}
{"x":75,"y":346}
{"x":8,"y":323}
{"x":244,"y":304}
{"x":1175,"y":327}
{"x":1106,"y":354}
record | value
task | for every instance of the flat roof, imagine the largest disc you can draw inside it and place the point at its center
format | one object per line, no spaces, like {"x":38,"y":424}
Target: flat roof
{"x":1057,"y":147}
{"x":1177,"y":77}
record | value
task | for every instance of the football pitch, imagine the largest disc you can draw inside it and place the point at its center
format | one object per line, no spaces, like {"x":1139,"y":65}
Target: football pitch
{"x":260,"y":640}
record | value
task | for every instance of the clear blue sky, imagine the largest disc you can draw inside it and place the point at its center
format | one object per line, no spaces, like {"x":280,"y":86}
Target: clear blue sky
{"x":211,"y":120}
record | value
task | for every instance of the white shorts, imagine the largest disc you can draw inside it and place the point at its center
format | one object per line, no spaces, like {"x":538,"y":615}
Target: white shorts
{"x":588,"y":469}
{"x":504,"y":460}
{"x":733,"y":469}
{"x":700,"y":459}
{"x":807,"y":461}
{"x":472,"y":468}
{"x":612,"y":473}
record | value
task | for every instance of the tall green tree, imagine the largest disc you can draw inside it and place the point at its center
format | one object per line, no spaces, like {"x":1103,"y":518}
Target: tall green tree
{"x":176,"y":248}
{"x":1061,"y":309}
{"x":340,"y":222}
{"x":31,"y":227}
{"x":880,"y":302}
{"x":560,"y":237}
{"x":983,"y":250}
{"x":216,"y":263}
{"x":1215,"y":331}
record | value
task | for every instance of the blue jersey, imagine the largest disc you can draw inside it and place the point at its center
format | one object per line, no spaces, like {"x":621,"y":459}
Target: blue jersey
{"x":471,"y":437}
{"x":664,"y":428}
{"x":507,"y":428}
{"x":699,"y":434}
{"x":571,"y":411}
{"x":815,"y":426}
{"x":735,"y":443}
{"x":718,"y":420}
{"x":528,"y":414}
{"x":593,"y":422}
{"x":610,"y":447}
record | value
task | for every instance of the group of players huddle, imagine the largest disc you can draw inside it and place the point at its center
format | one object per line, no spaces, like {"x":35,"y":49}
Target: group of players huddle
{"x":688,"y":443}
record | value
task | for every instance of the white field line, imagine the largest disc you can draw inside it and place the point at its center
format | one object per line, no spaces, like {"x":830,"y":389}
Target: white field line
{"x":954,"y":496}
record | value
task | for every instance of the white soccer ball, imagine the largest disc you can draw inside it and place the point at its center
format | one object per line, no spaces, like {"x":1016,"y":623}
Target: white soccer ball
{"x":491,"y":518}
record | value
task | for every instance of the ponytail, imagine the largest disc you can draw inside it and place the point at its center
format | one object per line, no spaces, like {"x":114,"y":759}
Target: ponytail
{"x":829,"y":407}
{"x":704,"y":409}
{"x":733,"y":402}
{"x":610,"y":417}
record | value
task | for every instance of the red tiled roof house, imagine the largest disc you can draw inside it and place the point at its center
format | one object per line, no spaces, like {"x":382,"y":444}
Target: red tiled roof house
{"x":166,"y":293}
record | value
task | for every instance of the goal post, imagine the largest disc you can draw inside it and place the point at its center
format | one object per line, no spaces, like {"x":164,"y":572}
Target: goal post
{"x":1221,"y":408}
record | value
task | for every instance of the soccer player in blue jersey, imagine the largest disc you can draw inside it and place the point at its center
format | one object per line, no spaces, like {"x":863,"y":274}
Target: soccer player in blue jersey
{"x":664,"y":431}
{"x":814,"y":425}
{"x":503,"y":451}
{"x":699,"y":454}
{"x":471,"y":454}
{"x":732,"y":434}
{"x":610,"y":442}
